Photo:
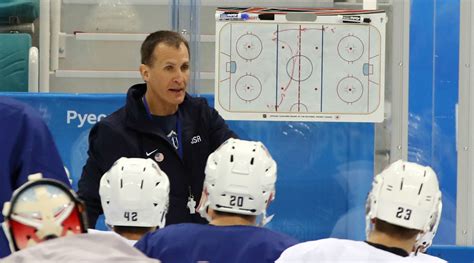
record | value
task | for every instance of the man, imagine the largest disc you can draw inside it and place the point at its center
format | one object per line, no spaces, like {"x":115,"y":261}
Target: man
{"x":27,"y":147}
{"x":239,"y":185}
{"x":403,"y":211}
{"x":162,"y":122}
{"x":46,"y":222}
{"x":134,"y":195}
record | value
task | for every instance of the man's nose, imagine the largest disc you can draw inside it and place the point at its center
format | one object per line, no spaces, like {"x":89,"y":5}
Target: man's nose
{"x":180,"y":77}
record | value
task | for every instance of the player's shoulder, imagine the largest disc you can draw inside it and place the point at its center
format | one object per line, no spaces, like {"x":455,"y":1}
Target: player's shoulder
{"x":333,"y":242}
{"x":274,"y":237}
{"x":177,"y":229}
{"x":422,"y":257}
{"x":327,"y":249}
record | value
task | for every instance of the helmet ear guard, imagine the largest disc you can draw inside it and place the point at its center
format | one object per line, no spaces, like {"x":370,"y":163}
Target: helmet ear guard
{"x":406,"y":194}
{"x":240,"y":179}
{"x":42,"y":209}
{"x":135,"y":192}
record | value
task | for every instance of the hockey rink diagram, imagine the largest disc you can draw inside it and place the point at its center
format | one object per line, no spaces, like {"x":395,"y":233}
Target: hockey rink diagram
{"x":304,"y":71}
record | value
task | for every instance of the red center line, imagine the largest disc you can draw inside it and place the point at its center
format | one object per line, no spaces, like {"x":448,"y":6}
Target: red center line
{"x":299,"y":68}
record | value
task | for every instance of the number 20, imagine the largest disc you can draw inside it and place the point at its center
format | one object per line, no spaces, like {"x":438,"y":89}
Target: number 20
{"x":236,"y":200}
{"x":403,"y":213}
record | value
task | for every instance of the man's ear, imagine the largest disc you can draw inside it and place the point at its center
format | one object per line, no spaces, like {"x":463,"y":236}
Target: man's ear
{"x":145,"y":72}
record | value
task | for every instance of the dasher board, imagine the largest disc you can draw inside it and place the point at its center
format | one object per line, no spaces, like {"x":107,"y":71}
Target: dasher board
{"x":327,"y":70}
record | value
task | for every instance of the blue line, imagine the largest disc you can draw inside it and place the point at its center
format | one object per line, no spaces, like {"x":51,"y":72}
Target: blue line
{"x":276,"y":84}
{"x":322,"y":65}
{"x":230,"y":66}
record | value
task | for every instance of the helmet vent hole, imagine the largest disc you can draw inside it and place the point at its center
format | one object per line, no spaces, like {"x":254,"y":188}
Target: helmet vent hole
{"x":421,"y":187}
{"x":428,"y":198}
{"x":403,"y":167}
{"x":251,"y":161}
{"x":389,"y":187}
{"x":144,"y":168}
{"x":157,"y":183}
{"x":424,"y":174}
{"x":253,"y":210}
{"x":401,"y":183}
{"x":122,"y":168}
{"x":141,"y":185}
{"x":231,"y":158}
{"x":250,"y":198}
{"x":222,"y":194}
{"x":263,"y":192}
{"x":28,"y":237}
{"x":155,"y":204}
{"x":108,"y":202}
{"x":108,"y":181}
{"x":121,"y":183}
{"x":254,"y":150}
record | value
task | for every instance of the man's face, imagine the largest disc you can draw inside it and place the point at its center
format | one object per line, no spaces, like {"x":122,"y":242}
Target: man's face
{"x":167,"y":77}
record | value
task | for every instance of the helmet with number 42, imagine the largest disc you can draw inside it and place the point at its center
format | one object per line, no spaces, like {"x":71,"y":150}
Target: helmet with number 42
{"x":135,"y":192}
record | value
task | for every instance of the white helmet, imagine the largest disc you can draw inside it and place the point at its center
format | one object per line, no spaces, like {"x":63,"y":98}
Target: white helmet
{"x":240,"y":179}
{"x":406,"y":194}
{"x":135,"y":192}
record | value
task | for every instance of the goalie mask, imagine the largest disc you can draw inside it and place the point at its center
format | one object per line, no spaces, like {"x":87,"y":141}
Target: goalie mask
{"x":135,"y":192}
{"x":42,"y":209}
{"x":407,"y":194}
{"x":240,"y":179}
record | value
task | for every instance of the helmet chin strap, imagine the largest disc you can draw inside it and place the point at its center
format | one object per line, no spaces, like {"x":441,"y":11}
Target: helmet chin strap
{"x":265,"y":220}
{"x":203,"y":205}
{"x":5,"y":228}
{"x":419,"y":246}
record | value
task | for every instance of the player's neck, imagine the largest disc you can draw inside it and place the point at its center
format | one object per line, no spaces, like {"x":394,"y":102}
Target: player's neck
{"x":389,"y":241}
{"x":158,"y":108}
{"x":231,"y":220}
{"x":131,"y":236}
{"x":132,"y":233}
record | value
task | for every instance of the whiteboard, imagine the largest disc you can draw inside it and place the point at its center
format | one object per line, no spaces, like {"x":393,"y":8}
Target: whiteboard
{"x":325,"y":70}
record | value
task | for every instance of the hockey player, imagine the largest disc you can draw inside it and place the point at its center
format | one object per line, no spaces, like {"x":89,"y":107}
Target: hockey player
{"x":46,"y":222}
{"x":239,"y":185}
{"x":135,"y":196}
{"x":27,"y":147}
{"x":402,"y":216}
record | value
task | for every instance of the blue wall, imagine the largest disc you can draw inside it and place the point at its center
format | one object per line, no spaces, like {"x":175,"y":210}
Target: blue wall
{"x":325,"y":169}
{"x":434,"y":52}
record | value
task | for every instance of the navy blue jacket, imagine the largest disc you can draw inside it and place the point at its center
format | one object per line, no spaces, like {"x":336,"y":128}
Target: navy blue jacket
{"x":26,"y":147}
{"x":208,"y":243}
{"x":129,"y":132}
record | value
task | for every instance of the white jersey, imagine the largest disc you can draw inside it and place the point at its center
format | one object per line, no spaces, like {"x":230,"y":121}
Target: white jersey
{"x":101,"y":232}
{"x":80,"y":248}
{"x":342,"y":250}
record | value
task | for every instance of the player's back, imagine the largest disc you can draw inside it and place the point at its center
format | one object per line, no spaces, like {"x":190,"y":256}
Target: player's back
{"x":341,"y":251}
{"x":196,"y":242}
{"x":80,"y":248}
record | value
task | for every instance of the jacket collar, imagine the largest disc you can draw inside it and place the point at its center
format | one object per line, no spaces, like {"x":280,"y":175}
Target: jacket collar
{"x":136,"y":115}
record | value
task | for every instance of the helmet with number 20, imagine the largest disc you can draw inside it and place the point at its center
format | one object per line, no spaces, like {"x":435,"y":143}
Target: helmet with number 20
{"x":240,"y":179}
